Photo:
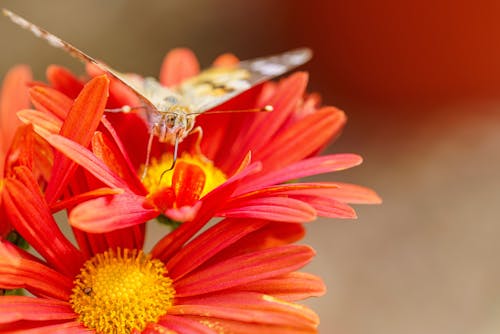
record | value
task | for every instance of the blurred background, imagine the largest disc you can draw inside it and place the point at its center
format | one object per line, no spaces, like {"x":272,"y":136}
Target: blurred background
{"x":420,"y":83}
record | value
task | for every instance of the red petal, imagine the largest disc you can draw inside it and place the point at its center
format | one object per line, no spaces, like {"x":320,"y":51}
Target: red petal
{"x":319,"y":196}
{"x":31,"y":217}
{"x":188,"y":182}
{"x":244,"y":269}
{"x":248,"y":307}
{"x":301,"y":139}
{"x":79,"y":126}
{"x":87,"y":160}
{"x":11,"y":250}
{"x":240,"y":327}
{"x":184,"y":213}
{"x":51,"y":101}
{"x":352,"y":193}
{"x":265,"y":125}
{"x":226,"y":60}
{"x":80,"y":198}
{"x":271,"y":235}
{"x":328,"y":207}
{"x":13,"y":97}
{"x":290,"y":287}
{"x":43,"y":122}
{"x":219,"y":236}
{"x":179,"y":64}
{"x":110,"y":213}
{"x":21,"y":151}
{"x":21,"y":272}
{"x":171,"y":243}
{"x":15,"y":308}
{"x":181,"y":324}
{"x":307,"y":167}
{"x":310,"y":188}
{"x":45,"y":327}
{"x":270,"y":208}
{"x":118,"y":140}
{"x":111,"y":154}
{"x":120,"y":93}
{"x":63,"y":80}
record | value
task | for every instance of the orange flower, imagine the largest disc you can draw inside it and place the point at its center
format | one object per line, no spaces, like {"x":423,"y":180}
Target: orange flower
{"x":238,"y":276}
{"x":282,"y":145}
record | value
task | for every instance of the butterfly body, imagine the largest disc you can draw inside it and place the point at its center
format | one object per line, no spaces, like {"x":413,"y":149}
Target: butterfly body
{"x":170,"y":116}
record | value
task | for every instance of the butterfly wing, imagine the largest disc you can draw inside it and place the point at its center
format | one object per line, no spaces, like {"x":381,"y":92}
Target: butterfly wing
{"x":76,"y":53}
{"x":216,"y":85}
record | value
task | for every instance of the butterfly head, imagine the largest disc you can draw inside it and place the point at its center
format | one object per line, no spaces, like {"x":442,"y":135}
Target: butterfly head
{"x":173,"y":124}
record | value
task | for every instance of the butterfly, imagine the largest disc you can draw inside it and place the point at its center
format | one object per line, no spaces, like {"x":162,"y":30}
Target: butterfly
{"x":170,"y":112}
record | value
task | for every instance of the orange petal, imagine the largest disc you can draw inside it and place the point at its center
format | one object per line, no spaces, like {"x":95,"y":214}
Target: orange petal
{"x":171,"y":324}
{"x":31,"y":217}
{"x":352,"y":193}
{"x":80,"y":198}
{"x":51,"y":101}
{"x":85,"y":158}
{"x":172,"y":242}
{"x":13,"y":97}
{"x":106,"y":150}
{"x":16,"y":308}
{"x":20,"y":272}
{"x":63,"y":80}
{"x":235,"y":326}
{"x":219,"y":236}
{"x":244,"y":269}
{"x":272,"y":235}
{"x":303,"y":138}
{"x":289,"y":92}
{"x":110,"y":213}
{"x":307,"y":167}
{"x":290,"y":287}
{"x":188,"y":182}
{"x":248,"y":307}
{"x":179,"y":64}
{"x":276,"y":208}
{"x":226,"y":60}
{"x":79,"y":126}
{"x":42,"y":121}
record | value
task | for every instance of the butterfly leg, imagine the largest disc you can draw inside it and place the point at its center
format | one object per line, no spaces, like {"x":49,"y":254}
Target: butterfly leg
{"x":196,"y":149}
{"x":148,"y":151}
{"x":174,"y":158}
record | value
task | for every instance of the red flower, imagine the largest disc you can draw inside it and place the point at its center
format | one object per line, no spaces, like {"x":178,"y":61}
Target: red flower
{"x":282,"y":145}
{"x":19,"y":145}
{"x":236,"y":277}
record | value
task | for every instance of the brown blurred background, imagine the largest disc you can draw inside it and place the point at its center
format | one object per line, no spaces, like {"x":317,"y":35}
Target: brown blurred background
{"x":420,"y":83}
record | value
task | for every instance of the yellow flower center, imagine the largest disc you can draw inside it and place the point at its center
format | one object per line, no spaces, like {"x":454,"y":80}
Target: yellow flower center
{"x":213,"y":176}
{"x":118,"y":291}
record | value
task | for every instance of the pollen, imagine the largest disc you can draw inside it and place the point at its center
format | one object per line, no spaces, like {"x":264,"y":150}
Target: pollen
{"x":157,"y":179}
{"x":119,"y":291}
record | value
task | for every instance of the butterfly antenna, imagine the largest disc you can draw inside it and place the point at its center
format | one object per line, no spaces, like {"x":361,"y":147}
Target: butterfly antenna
{"x":174,"y":159}
{"x":148,"y":155}
{"x":266,"y":108}
{"x":124,"y":109}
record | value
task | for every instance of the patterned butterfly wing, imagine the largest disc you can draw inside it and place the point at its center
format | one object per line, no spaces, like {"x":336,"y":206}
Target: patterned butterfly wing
{"x":217,"y":85}
{"x":76,"y":53}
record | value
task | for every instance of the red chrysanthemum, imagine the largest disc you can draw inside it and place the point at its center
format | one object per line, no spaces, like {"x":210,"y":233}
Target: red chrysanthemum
{"x":282,"y":145}
{"x":19,"y":145}
{"x":238,"y":276}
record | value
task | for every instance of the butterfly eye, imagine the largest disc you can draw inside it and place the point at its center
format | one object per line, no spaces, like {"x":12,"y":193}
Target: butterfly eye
{"x":170,"y":119}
